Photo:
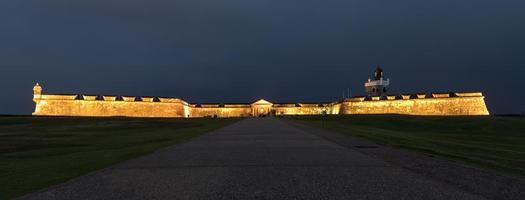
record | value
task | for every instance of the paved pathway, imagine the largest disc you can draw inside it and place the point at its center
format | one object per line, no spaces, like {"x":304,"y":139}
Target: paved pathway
{"x":255,"y":159}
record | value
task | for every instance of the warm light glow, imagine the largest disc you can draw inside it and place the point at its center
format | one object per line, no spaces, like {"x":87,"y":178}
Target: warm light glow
{"x":90,"y":105}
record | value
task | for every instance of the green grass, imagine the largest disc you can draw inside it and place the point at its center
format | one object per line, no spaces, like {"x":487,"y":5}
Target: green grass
{"x":494,"y":143}
{"x":37,"y":152}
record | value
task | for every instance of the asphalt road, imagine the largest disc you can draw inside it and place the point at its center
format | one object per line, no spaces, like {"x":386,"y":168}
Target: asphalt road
{"x":261,"y":158}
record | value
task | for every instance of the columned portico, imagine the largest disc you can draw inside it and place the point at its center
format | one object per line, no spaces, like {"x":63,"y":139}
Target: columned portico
{"x":261,"y":108}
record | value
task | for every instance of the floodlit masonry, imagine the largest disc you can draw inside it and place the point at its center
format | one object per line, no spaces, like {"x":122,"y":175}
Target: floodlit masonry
{"x":376,"y":102}
{"x":130,"y":106}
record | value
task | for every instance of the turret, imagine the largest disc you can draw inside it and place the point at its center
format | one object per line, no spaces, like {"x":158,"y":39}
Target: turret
{"x":37,"y":92}
{"x":378,"y":74}
{"x":378,"y":86}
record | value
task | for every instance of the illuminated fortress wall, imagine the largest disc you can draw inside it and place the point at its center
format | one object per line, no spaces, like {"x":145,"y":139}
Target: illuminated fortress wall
{"x":418,"y":104}
{"x":220,"y":111}
{"x":421,"y":104}
{"x":305,"y":109}
{"x":69,"y":105}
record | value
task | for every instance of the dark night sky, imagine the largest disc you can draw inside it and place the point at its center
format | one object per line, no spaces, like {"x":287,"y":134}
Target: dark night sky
{"x":239,"y":50}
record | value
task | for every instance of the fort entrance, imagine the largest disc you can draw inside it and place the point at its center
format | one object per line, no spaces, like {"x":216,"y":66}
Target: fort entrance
{"x":261,"y":108}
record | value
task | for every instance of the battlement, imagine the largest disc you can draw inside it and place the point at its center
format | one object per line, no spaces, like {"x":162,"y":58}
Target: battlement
{"x":451,"y":103}
{"x":414,"y":96}
{"x":57,"y":97}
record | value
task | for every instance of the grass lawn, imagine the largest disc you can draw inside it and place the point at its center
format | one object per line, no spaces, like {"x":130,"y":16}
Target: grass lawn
{"x":496,"y":143}
{"x":36,"y":152}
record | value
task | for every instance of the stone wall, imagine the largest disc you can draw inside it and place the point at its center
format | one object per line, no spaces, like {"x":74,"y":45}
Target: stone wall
{"x":303,"y":109}
{"x":419,"y":104}
{"x":130,"y":106}
{"x":220,"y":111}
{"x":70,"y":105}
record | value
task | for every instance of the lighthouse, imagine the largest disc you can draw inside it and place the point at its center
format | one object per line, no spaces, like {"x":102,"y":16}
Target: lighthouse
{"x":378,"y":85}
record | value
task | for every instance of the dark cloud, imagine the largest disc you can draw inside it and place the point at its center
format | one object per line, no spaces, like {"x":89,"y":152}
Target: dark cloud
{"x":234,"y":50}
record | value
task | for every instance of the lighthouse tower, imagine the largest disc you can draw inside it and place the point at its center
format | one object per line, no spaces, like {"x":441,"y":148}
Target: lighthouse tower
{"x":377,"y":86}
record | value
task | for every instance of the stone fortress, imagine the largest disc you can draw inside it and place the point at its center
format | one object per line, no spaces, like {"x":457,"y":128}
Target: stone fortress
{"x":376,"y":101}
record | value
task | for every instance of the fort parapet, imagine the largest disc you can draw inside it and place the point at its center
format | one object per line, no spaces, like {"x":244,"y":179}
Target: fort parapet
{"x":442,"y":104}
{"x":472,"y":103}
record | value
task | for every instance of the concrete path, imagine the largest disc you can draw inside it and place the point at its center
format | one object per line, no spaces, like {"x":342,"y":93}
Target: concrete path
{"x":260,"y":158}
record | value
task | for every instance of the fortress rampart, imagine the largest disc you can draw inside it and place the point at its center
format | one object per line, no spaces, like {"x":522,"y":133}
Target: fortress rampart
{"x":418,"y":104}
{"x":83,"y":105}
{"x":131,"y":106}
